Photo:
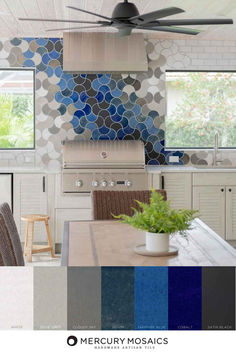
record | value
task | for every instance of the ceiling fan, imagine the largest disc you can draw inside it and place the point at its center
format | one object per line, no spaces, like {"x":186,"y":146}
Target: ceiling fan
{"x":126,"y":17}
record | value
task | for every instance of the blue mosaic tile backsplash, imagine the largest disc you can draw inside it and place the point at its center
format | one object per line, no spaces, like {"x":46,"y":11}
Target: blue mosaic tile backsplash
{"x":93,"y":106}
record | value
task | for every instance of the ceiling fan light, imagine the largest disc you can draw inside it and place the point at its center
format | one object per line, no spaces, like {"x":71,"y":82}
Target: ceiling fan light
{"x":125,"y":31}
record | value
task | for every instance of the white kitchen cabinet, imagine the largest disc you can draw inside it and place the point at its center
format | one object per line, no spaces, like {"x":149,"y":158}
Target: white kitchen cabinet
{"x":69,"y":207}
{"x":63,"y":215}
{"x":178,"y":187}
{"x":214,"y":194}
{"x":210,"y":201}
{"x":230,"y":212}
{"x":30,"y":197}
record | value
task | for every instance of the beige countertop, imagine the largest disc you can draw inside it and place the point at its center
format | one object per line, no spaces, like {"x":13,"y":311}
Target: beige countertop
{"x":27,"y":170}
{"x":149,"y":169}
{"x":177,"y":168}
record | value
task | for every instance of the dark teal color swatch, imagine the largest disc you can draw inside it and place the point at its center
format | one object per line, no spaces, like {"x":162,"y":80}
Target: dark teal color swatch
{"x":151,"y":298}
{"x":185,"y":298}
{"x":117,"y":298}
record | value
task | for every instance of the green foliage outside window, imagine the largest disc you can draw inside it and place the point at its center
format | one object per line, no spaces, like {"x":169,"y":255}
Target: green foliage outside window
{"x":206,"y":104}
{"x":16,"y":121}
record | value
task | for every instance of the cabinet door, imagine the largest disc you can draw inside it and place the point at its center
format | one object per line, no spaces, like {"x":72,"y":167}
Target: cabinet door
{"x":230,"y":213}
{"x":154,"y":180}
{"x":63,"y":215}
{"x":30,"y":197}
{"x":210,"y":201}
{"x":178,"y":187}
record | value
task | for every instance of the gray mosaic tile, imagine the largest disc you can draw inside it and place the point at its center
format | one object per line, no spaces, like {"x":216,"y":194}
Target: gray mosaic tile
{"x":117,"y":106}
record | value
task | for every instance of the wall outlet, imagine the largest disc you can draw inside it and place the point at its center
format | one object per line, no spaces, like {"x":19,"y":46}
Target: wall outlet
{"x":29,"y":159}
{"x":173,"y":158}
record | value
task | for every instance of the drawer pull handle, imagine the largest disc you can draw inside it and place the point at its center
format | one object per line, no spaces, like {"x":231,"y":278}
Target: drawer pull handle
{"x":222,"y":189}
{"x":230,"y":190}
{"x":162,"y":182}
{"x":44,"y":184}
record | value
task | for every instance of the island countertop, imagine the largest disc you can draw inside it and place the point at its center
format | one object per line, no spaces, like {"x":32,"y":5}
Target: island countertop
{"x":110,"y":243}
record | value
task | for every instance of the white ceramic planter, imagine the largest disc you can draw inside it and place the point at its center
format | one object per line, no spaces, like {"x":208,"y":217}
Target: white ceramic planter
{"x":157,"y":242}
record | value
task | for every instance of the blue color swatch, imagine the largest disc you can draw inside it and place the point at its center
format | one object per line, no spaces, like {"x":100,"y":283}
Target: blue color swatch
{"x":151,"y":298}
{"x":117,"y":298}
{"x":185,"y":298}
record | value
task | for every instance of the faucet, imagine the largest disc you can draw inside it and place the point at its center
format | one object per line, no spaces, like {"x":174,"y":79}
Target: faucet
{"x":216,"y":150}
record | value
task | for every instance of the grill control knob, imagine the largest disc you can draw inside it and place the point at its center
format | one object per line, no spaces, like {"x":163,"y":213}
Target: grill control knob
{"x":78,"y":183}
{"x":112,"y":184}
{"x":128,"y":183}
{"x":95,"y":183}
{"x":104,"y":183}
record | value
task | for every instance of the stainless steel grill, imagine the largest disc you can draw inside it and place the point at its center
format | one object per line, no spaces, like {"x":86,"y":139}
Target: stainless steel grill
{"x":103,"y":164}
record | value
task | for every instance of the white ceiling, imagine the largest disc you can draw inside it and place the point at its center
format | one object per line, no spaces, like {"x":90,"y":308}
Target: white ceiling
{"x":10,"y":10}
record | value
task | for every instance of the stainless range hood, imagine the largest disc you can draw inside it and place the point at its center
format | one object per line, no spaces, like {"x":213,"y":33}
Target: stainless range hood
{"x":103,"y":53}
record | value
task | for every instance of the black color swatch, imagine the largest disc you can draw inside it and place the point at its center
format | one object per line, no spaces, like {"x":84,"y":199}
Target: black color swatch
{"x":218,"y":298}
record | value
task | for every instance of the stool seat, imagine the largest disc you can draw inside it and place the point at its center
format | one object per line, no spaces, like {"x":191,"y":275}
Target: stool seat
{"x":35,"y":217}
{"x":30,"y":248}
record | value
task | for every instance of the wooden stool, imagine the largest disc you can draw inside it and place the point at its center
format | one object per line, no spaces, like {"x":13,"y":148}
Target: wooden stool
{"x":29,"y":247}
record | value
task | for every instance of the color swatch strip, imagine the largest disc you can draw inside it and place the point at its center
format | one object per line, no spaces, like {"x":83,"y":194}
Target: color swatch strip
{"x":117,"y":298}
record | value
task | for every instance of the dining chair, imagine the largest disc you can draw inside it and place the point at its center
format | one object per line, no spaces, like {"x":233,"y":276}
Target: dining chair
{"x":6,"y":248}
{"x":12,"y":233}
{"x":106,"y":203}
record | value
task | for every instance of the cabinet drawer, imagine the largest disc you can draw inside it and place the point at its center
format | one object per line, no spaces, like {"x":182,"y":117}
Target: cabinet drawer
{"x":76,"y":201}
{"x":63,"y":215}
{"x":214,"y":178}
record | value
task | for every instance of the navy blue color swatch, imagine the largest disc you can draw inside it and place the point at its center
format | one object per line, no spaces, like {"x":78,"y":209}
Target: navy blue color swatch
{"x":151,"y":298}
{"x":185,"y":300}
{"x":117,"y":298}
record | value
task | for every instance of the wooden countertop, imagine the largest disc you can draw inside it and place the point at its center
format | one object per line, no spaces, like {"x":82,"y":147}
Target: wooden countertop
{"x":111,"y":243}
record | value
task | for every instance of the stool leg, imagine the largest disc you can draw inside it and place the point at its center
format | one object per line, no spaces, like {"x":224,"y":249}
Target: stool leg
{"x":30,"y":242}
{"x":26,"y":238}
{"x":49,"y":238}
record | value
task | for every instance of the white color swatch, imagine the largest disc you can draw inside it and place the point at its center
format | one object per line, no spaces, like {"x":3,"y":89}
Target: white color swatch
{"x":16,"y":298}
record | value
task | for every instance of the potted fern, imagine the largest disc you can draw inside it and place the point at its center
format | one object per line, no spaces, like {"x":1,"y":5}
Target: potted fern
{"x":159,"y":221}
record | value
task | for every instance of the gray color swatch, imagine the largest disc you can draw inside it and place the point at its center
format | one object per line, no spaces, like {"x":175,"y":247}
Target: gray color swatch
{"x":50,"y":298}
{"x":84,"y":298}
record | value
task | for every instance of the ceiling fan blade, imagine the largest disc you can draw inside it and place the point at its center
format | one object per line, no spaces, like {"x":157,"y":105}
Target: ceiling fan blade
{"x":74,"y":28}
{"x":171,"y":29}
{"x":88,"y":12}
{"x":213,"y":21}
{"x":151,"y":16}
{"x":57,"y":20}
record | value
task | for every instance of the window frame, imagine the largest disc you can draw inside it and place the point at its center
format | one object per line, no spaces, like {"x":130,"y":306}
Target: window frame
{"x":34,"y":120}
{"x":169,"y":148}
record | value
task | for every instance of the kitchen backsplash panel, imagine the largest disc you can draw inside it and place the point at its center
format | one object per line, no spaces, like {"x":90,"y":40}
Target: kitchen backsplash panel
{"x":118,"y":106}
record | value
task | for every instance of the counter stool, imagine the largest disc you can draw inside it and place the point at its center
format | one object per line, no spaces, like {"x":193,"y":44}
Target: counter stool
{"x":29,"y":247}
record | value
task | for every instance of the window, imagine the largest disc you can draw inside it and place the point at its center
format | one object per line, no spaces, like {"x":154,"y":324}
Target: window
{"x":16,"y":109}
{"x":200,"y":103}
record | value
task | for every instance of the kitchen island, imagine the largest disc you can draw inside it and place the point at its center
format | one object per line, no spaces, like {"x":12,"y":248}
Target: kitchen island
{"x":111,"y":243}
